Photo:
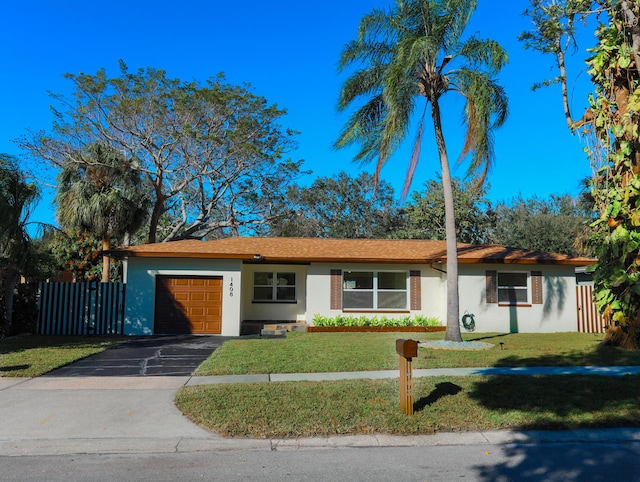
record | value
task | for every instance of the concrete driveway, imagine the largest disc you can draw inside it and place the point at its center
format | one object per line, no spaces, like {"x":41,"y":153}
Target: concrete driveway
{"x":118,"y":401}
{"x":176,"y":356}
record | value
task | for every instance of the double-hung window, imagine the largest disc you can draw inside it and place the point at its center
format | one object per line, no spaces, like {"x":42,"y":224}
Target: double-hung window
{"x":274,"y":286}
{"x":374,"y":290}
{"x":513,"y":288}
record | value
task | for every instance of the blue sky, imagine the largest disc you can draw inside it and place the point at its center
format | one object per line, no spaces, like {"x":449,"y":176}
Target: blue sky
{"x":287,"y":50}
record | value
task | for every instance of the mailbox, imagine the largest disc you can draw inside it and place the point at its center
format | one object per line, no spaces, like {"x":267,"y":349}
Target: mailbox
{"x":407,"y":348}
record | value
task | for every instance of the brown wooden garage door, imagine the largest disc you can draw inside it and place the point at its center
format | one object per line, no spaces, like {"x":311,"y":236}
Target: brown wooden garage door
{"x":186,"y":304}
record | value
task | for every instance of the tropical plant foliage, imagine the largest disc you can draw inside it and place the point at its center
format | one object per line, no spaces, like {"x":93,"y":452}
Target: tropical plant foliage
{"x":615,"y":106}
{"x":17,"y":256}
{"x":611,"y":125}
{"x":100,"y":192}
{"x":413,"y":54}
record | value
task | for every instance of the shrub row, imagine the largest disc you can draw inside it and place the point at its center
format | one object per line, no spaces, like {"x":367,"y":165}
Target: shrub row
{"x":350,"y":320}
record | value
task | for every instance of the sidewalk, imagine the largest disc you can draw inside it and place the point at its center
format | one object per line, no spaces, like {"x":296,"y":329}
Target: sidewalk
{"x":616,"y":371}
{"x":108,"y":415}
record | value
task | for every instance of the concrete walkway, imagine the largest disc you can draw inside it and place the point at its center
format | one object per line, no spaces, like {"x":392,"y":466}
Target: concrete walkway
{"x":78,"y":415}
{"x":418,"y":373}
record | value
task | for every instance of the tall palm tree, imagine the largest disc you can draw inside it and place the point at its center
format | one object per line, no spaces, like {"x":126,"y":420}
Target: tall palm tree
{"x":100,"y":192}
{"x":411,"y":54}
{"x":17,"y":197}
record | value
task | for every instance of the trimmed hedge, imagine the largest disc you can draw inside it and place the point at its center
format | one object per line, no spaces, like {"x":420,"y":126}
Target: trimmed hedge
{"x":363,"y":320}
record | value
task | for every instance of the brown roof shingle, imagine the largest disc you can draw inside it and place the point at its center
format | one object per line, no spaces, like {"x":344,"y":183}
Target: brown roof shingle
{"x":344,"y":250}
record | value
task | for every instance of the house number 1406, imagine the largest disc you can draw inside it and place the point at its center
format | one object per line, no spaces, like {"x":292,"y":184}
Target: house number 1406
{"x":231,"y":288}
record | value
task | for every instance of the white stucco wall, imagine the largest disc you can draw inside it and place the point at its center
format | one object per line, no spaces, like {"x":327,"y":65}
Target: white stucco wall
{"x":319,"y":290}
{"x":140,"y":299}
{"x":265,"y":311}
{"x":557,"y":313}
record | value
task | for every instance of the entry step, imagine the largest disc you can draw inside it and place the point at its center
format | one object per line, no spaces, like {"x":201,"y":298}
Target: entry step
{"x":282,"y":328}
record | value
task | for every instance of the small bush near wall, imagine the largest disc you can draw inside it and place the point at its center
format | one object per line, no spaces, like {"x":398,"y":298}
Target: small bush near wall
{"x":382,"y":321}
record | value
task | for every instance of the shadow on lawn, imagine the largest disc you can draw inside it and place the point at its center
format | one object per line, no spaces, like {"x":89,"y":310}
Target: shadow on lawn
{"x":14,"y":368}
{"x":601,"y":356}
{"x":442,"y":390}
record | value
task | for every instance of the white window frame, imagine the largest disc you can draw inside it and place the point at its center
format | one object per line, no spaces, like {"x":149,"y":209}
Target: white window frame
{"x":375,"y":290}
{"x":274,"y":287}
{"x":500,"y":288}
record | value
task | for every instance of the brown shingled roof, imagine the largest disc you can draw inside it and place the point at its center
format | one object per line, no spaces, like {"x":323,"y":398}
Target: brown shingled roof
{"x":343,"y":250}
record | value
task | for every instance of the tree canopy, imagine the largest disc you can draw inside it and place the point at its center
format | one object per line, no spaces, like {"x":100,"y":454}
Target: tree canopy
{"x":212,"y":156}
{"x":552,"y":225}
{"x":339,"y":207}
{"x":425,"y":213}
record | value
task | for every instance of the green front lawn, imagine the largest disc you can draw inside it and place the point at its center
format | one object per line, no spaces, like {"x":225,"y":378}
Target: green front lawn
{"x":447,"y":404}
{"x":336,"y":352}
{"x":307,"y":409}
{"x":31,"y":356}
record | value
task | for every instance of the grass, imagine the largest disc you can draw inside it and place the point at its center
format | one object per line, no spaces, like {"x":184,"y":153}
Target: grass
{"x":31,"y":356}
{"x":330,"y":352}
{"x":307,"y":409}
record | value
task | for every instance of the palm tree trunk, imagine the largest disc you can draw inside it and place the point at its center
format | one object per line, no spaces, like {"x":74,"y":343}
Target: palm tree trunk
{"x":106,"y":261}
{"x":453,"y":297}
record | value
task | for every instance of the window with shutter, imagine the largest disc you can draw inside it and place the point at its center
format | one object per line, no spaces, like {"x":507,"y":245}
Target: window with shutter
{"x":514,"y":287}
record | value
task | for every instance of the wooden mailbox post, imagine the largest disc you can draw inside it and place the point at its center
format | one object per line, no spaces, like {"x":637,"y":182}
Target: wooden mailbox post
{"x":407,"y":349}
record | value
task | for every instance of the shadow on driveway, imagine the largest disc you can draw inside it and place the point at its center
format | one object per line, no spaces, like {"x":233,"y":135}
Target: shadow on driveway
{"x":176,"y":355}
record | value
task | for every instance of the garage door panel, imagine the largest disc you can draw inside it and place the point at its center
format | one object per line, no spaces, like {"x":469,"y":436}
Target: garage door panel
{"x":188,"y":305}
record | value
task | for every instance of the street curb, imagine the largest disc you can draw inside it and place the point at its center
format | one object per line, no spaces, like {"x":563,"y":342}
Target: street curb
{"x":216,"y":443}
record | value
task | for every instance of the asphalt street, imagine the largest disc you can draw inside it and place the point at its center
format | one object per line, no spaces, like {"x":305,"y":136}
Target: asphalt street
{"x":478,"y":461}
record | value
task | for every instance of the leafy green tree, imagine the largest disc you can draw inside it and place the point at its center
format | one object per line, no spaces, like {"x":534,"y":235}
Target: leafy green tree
{"x":611,"y":127}
{"x":339,"y":207}
{"x":101,"y":193}
{"x":75,"y":251}
{"x":17,"y":198}
{"x":416,"y":52}
{"x":615,"y":72}
{"x":551,"y":225}
{"x":425,"y":213}
{"x":213,"y":155}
